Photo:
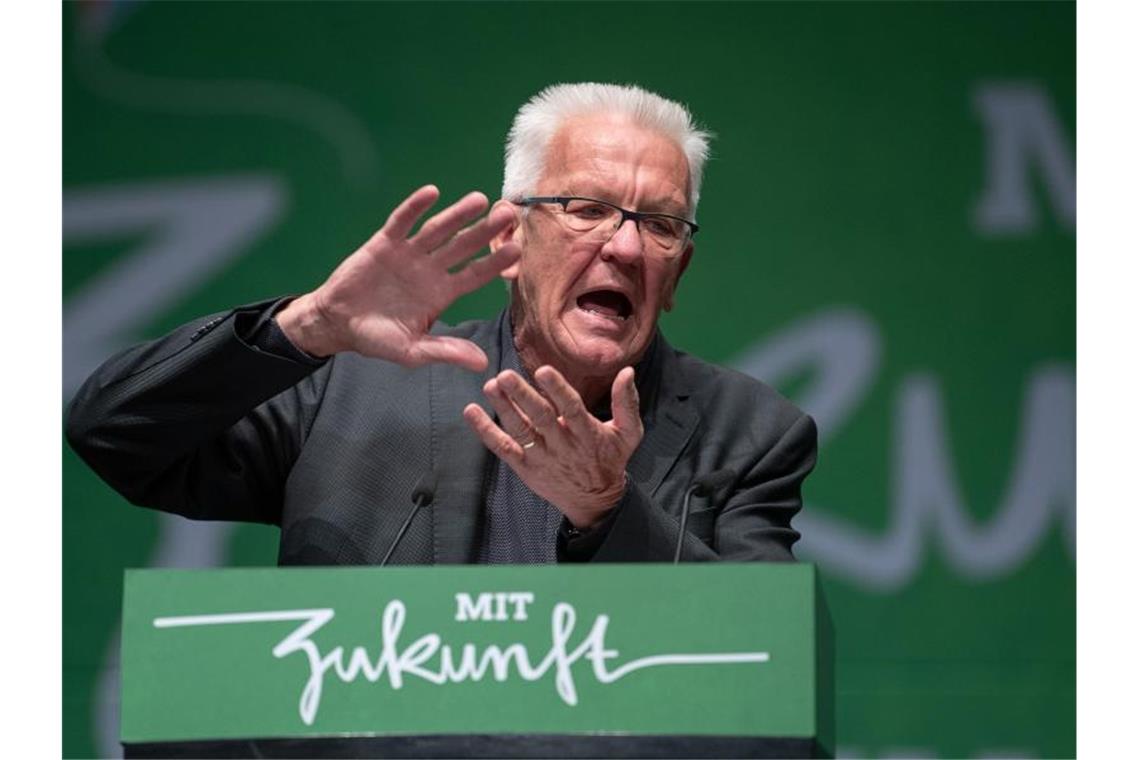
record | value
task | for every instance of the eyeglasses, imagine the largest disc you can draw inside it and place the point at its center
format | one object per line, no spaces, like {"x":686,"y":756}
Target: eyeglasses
{"x":663,"y":235}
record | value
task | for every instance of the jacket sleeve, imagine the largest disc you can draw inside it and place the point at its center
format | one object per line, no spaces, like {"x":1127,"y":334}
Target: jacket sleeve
{"x":201,"y":422}
{"x":752,"y":524}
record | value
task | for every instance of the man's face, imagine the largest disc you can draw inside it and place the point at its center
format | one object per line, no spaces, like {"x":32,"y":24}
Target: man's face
{"x":591,"y":308}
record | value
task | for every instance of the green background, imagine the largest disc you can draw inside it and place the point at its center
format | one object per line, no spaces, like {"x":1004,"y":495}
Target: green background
{"x":849,"y":159}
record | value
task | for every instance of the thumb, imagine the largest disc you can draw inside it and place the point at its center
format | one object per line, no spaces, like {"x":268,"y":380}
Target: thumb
{"x":448,"y":350}
{"x":626,"y":407}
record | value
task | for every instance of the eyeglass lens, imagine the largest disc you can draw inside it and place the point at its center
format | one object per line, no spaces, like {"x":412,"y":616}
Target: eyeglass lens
{"x":664,"y":233}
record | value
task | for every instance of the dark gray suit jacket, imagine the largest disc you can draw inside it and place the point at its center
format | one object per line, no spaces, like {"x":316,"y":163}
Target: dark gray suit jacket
{"x":203,"y":424}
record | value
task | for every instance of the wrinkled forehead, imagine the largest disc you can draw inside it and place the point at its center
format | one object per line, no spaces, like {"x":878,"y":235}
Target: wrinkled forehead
{"x":612,"y":157}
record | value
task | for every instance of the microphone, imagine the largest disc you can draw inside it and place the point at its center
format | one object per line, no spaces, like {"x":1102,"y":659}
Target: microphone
{"x":422,"y":495}
{"x":704,"y":485}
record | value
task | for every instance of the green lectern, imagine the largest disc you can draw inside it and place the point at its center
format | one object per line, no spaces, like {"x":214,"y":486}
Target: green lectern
{"x":716,"y":660}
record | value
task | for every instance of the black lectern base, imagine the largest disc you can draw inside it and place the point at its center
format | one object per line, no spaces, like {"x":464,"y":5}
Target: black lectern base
{"x":468,"y":746}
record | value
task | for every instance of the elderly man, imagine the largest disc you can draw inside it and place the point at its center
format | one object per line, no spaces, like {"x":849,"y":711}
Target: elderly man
{"x":321,"y":413}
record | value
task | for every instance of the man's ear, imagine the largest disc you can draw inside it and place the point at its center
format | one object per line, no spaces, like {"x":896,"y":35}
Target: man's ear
{"x":513,"y":231}
{"x":685,"y":257}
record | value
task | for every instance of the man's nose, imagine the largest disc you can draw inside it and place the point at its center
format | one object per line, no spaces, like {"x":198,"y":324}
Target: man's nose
{"x":625,"y":245}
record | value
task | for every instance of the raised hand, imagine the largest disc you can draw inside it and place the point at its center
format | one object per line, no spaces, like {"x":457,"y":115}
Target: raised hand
{"x":382,"y":300}
{"x":562,"y":452}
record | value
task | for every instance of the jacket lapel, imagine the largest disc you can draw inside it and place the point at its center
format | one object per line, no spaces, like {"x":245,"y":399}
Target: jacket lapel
{"x":459,"y":457}
{"x":668,"y":417}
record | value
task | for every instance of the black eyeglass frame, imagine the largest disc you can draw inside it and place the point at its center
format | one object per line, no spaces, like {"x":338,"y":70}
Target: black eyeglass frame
{"x":636,"y":216}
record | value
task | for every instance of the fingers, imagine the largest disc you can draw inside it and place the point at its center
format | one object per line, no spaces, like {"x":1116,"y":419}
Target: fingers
{"x":510,"y":419}
{"x":443,"y":348}
{"x":441,"y":227}
{"x":541,"y":415}
{"x":481,"y":271}
{"x":566,"y":400}
{"x":493,"y":437}
{"x":402,"y":218}
{"x":468,"y":242}
{"x":626,"y":407}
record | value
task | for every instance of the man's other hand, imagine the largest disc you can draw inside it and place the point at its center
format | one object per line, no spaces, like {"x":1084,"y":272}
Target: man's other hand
{"x":383,"y":299}
{"x":562,"y":452}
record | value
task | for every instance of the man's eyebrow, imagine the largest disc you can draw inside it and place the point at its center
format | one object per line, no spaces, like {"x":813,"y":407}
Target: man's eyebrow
{"x":667,"y":206}
{"x":587,"y":191}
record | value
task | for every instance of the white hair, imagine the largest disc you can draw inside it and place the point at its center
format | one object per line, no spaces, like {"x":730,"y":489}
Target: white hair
{"x":540,"y":118}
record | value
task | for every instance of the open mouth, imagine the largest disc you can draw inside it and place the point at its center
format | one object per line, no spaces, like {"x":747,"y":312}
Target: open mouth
{"x":606,"y":303}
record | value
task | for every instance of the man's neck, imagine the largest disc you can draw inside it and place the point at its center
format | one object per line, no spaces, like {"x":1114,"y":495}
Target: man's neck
{"x":594,"y":389}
